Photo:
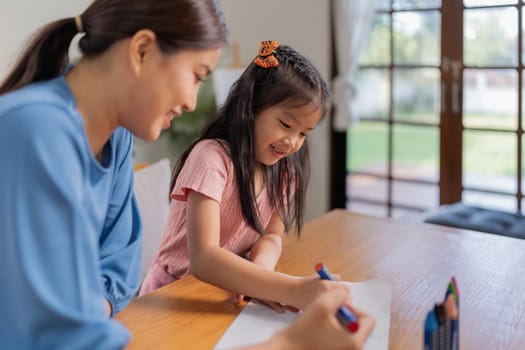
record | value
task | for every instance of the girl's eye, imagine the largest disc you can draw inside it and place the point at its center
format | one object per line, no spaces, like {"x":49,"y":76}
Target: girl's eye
{"x":303,"y":135}
{"x":284,"y":124}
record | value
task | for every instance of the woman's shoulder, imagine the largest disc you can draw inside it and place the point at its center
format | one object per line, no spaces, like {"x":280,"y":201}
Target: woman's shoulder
{"x":35,"y":100}
{"x":53,"y":91}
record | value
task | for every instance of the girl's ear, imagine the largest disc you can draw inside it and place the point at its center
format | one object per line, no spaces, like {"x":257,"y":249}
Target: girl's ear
{"x":142,"y":47}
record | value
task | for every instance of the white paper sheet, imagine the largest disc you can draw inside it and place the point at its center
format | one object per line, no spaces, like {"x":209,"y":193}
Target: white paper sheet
{"x":257,"y":323}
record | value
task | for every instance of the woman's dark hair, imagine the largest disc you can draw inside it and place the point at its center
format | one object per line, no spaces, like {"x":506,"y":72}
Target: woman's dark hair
{"x":295,"y":82}
{"x":177,"y":24}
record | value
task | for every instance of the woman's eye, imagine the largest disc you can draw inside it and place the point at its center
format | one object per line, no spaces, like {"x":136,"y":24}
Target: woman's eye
{"x":284,"y":124}
{"x":199,"y":79}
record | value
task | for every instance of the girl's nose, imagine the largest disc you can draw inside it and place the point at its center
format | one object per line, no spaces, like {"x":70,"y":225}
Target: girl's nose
{"x":290,"y":141}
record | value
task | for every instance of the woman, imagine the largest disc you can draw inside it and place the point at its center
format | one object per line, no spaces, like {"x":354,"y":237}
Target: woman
{"x":70,"y":226}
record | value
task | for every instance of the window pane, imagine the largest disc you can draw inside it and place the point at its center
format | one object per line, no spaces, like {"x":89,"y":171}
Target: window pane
{"x":416,"y":4}
{"x":523,"y":168}
{"x":383,"y":4}
{"x":417,"y":37}
{"x":523,"y":99}
{"x":489,"y":200}
{"x":489,"y":160}
{"x":373,"y":93}
{"x":490,"y":98}
{"x":415,"y":195}
{"x":488,"y":2}
{"x":367,"y":187}
{"x":377,"y":48}
{"x":368,"y":209}
{"x":522,"y":35}
{"x":491,"y":37}
{"x":416,"y":94}
{"x":367,"y":148}
{"x":416,"y":153}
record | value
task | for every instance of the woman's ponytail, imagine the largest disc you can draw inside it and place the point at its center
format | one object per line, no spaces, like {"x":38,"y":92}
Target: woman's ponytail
{"x":45,"y":57}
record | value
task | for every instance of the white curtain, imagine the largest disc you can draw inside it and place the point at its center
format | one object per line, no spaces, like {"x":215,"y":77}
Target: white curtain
{"x":352,"y":23}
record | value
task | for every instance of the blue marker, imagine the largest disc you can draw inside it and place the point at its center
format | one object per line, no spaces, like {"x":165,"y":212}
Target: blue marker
{"x":344,"y":314}
{"x":431,"y":331}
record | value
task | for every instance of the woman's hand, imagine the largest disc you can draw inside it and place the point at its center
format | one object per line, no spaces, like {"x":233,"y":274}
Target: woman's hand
{"x":108,"y":307}
{"x":318,"y":327}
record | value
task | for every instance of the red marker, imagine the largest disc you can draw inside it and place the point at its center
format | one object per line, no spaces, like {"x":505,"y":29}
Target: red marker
{"x":344,"y":314}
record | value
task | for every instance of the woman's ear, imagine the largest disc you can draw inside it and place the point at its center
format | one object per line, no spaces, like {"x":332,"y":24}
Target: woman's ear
{"x":143,"y":46}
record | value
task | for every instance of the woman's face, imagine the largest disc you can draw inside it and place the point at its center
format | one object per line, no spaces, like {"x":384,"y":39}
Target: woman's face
{"x":281,"y":130}
{"x":166,"y":86}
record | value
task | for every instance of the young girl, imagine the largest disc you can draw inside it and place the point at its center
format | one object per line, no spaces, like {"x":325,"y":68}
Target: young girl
{"x":242,"y":184}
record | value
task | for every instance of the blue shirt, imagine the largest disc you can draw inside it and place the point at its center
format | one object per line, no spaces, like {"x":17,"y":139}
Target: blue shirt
{"x":70,"y":232}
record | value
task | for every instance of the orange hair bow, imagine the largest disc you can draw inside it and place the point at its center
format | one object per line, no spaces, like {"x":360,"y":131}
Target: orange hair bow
{"x":265,"y":57}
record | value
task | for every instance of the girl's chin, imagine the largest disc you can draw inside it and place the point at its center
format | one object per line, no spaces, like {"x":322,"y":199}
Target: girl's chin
{"x":269,"y":163}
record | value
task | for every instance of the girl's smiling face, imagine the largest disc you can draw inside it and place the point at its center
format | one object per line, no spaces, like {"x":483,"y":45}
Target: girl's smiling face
{"x":281,"y":130}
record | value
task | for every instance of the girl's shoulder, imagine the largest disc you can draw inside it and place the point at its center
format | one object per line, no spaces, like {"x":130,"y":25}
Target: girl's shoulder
{"x":211,"y":153}
{"x":216,"y":146}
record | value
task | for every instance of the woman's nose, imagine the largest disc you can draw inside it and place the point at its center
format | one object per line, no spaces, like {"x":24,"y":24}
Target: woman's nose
{"x":191,"y":102}
{"x":189,"y":106}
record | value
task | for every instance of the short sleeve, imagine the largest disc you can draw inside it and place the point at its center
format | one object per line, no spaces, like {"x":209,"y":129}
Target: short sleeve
{"x":206,"y":171}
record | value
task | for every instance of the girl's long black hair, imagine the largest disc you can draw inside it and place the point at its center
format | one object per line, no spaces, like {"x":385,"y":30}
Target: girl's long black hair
{"x":295,"y":82}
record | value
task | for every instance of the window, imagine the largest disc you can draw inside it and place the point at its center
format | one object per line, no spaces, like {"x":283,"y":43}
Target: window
{"x":440,"y":89}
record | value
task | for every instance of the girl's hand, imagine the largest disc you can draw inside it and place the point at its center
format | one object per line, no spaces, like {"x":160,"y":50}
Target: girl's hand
{"x":310,"y":288}
{"x":237,"y":298}
{"x":278,"y":307}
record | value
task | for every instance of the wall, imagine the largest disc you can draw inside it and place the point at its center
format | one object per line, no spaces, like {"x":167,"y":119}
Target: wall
{"x":304,"y":25}
{"x":17,"y":23}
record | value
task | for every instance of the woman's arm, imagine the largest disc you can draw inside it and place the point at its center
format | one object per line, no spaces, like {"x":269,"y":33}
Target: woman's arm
{"x":121,"y":238}
{"x":49,"y":257}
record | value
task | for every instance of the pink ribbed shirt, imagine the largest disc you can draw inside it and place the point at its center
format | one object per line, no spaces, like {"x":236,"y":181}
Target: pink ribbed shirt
{"x":209,"y":171}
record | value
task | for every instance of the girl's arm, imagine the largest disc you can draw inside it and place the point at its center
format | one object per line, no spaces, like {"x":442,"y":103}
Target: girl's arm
{"x":267,"y":250}
{"x":213,"y":264}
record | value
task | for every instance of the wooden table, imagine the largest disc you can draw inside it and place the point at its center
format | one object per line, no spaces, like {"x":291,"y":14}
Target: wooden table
{"x":418,"y":259}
